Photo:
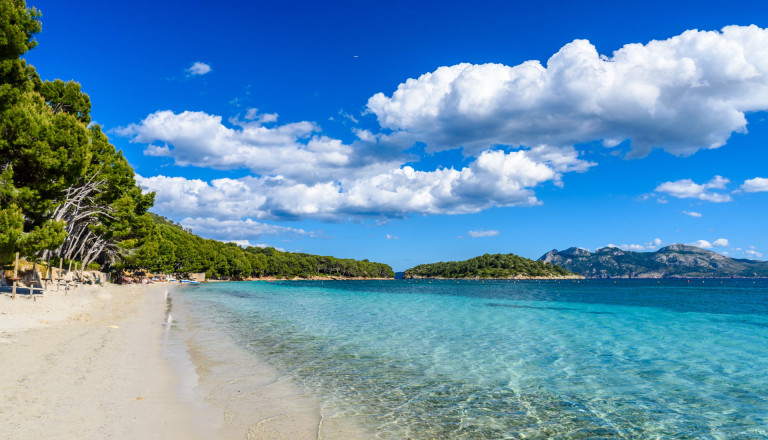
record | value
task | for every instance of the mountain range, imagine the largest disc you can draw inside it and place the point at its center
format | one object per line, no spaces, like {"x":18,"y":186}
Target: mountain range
{"x":674,"y":261}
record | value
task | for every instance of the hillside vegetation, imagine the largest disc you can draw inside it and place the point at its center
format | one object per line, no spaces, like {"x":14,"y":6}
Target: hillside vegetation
{"x":170,"y":248}
{"x":488,"y":266}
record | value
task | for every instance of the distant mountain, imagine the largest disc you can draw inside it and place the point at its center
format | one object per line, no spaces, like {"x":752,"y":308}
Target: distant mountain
{"x":503,"y":266}
{"x":675,"y":261}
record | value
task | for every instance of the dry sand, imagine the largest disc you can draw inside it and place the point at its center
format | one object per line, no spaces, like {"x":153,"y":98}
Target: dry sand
{"x":105,"y":363}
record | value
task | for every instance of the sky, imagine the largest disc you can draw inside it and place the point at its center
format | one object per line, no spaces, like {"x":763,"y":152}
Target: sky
{"x":413,"y":132}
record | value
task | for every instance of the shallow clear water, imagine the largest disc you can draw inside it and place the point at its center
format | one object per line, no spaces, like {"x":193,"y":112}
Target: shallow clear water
{"x":505,"y":360}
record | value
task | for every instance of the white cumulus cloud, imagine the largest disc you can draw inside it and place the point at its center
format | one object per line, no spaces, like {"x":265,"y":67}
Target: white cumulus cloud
{"x":683,"y":94}
{"x":693,"y":214}
{"x":758,"y":184}
{"x":720,"y":242}
{"x":198,"y":68}
{"x":298,"y":152}
{"x":702,"y":244}
{"x":653,"y":244}
{"x":293,"y":150}
{"x":482,"y":233}
{"x":495,"y":178}
{"x":242,"y":230}
{"x":753,"y":253}
{"x":687,"y":188}
{"x":252,"y":114}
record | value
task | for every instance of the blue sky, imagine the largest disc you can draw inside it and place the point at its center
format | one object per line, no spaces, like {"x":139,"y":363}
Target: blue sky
{"x":413,"y":132}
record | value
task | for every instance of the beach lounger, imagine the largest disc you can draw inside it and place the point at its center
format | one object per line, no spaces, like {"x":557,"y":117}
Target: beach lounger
{"x":36,"y":290}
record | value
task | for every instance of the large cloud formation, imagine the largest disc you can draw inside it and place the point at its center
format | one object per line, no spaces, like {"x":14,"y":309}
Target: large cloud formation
{"x":298,"y":173}
{"x":495,"y":178}
{"x":295,"y":150}
{"x":520,"y":127}
{"x":683,"y":94}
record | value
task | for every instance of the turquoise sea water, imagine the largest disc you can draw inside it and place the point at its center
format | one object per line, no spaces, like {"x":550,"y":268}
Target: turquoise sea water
{"x":592,"y":359}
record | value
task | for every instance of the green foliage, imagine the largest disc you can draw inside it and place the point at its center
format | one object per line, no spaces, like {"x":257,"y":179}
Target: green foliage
{"x":62,"y":184}
{"x":169,"y":248}
{"x":11,"y":231}
{"x":46,"y":152}
{"x":13,"y":238}
{"x":488,"y":266}
{"x":18,"y":25}
{"x":46,"y":236}
{"x":67,"y":98}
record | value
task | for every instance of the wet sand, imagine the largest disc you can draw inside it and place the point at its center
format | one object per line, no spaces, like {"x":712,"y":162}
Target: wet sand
{"x":256,"y":401}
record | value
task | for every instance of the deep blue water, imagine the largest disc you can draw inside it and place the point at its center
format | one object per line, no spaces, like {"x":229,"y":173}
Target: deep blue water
{"x":589,"y":359}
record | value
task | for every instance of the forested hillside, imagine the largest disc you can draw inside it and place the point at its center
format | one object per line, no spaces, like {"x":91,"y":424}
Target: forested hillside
{"x":170,"y":248}
{"x":488,"y":266}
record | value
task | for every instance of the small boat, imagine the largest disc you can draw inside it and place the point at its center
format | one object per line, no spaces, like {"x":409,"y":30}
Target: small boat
{"x":189,"y":281}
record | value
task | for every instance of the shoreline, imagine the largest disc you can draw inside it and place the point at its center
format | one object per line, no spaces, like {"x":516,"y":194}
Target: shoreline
{"x":318,"y":278}
{"x":255,"y":400}
{"x":521,"y":278}
{"x":127,"y":362}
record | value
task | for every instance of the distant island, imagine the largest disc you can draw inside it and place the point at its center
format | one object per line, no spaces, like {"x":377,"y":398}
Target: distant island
{"x":490,"y":266}
{"x":675,"y":261}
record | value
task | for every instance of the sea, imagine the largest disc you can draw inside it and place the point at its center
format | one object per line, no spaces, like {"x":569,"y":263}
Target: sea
{"x":505,"y":359}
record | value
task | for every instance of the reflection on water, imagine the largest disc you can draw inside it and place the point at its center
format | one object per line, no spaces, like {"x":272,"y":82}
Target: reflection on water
{"x":168,"y":307}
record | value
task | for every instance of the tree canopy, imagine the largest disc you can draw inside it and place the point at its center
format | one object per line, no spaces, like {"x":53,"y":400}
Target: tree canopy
{"x":65,"y":188}
{"x":488,"y":266}
{"x":169,"y":248}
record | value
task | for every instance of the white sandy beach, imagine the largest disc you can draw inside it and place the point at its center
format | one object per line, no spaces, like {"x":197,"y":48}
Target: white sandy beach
{"x":99,"y":363}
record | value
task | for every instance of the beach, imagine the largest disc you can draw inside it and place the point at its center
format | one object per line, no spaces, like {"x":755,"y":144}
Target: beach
{"x":111,"y":362}
{"x":388,"y":360}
